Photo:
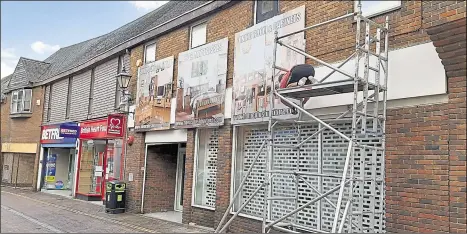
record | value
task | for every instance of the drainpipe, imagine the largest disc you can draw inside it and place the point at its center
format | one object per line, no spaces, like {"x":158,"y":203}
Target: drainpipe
{"x":144,"y":177}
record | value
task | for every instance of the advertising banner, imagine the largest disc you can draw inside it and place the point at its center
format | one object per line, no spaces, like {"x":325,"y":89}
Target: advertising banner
{"x":202,"y":74}
{"x":51,"y":163}
{"x":154,"y":95}
{"x":115,"y":125}
{"x":69,"y":131}
{"x":253,"y":60}
{"x":50,"y":134}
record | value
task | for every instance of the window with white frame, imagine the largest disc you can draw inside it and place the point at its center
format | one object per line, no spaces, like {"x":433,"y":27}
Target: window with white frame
{"x":198,"y":35}
{"x":21,"y":101}
{"x":265,"y":10}
{"x":372,"y":8}
{"x":205,"y":168}
{"x":150,"y":53}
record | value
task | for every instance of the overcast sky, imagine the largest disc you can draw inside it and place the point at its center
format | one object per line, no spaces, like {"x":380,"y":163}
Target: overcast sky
{"x":36,"y":29}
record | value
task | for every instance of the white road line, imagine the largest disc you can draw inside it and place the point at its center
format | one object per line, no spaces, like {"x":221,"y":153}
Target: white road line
{"x":33,"y":220}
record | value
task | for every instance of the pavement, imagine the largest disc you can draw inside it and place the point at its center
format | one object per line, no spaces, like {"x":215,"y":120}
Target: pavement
{"x":24,"y":211}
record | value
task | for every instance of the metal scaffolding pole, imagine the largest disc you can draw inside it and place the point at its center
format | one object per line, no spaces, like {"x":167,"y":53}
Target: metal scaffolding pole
{"x":356,"y":208}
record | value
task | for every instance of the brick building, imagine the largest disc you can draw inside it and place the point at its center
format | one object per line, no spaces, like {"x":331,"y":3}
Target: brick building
{"x":425,"y":157}
{"x":21,"y":114}
{"x":191,"y":170}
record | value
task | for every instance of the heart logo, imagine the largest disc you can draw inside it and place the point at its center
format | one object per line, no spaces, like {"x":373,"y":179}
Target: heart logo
{"x":115,"y":122}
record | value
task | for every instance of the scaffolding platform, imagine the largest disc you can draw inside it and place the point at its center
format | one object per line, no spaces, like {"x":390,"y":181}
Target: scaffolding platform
{"x":323,"y":89}
{"x":324,"y":177}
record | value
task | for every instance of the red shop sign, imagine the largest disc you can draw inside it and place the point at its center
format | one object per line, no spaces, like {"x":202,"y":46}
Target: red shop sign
{"x":93,"y":129}
{"x":115,"y":125}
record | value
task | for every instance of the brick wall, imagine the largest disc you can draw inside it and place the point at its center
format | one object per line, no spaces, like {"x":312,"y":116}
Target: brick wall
{"x":426,"y":157}
{"x":161,"y":171}
{"x":24,"y":130}
{"x":424,"y":161}
{"x":134,"y":162}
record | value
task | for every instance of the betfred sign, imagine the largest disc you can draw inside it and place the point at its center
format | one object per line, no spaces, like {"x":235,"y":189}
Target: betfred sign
{"x":51,"y":135}
{"x":115,"y":125}
{"x":67,"y":130}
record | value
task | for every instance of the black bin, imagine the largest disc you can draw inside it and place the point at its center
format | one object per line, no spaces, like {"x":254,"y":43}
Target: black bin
{"x":115,"y":197}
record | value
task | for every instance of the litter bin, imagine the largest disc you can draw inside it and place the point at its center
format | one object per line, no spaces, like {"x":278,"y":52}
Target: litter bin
{"x":115,"y":197}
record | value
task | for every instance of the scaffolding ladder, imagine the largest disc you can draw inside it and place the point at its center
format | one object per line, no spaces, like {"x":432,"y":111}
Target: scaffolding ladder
{"x":349,"y":210}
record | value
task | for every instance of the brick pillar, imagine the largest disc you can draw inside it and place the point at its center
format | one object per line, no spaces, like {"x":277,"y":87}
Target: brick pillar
{"x":449,"y":39}
{"x":134,"y":162}
{"x":188,"y":182}
{"x":224,"y":163}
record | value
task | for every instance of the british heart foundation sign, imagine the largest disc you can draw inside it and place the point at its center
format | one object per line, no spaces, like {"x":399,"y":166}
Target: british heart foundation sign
{"x":115,"y":125}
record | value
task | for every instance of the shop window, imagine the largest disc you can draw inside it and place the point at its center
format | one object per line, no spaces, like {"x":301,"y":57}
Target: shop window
{"x":372,"y":8}
{"x":150,"y":52}
{"x":100,"y":161}
{"x":206,"y":168}
{"x":198,"y":35}
{"x":266,"y":10}
{"x":21,"y":101}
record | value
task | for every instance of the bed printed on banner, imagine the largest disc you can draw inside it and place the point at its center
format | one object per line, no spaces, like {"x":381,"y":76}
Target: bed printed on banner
{"x":254,"y":54}
{"x":202,"y":74}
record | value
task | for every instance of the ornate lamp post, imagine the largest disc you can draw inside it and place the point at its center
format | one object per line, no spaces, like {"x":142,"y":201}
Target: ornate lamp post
{"x":123,"y":80}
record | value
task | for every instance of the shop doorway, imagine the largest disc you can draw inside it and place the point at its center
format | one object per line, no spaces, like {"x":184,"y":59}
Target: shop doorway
{"x":165,"y":172}
{"x":58,"y":171}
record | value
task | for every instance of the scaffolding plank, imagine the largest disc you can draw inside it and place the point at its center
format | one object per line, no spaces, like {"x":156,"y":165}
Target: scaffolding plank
{"x":323,"y":89}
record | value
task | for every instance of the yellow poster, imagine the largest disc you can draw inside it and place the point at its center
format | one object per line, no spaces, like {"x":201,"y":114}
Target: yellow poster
{"x":50,"y":178}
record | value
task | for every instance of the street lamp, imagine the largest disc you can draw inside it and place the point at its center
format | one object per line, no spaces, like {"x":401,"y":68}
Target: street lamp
{"x":123,"y":79}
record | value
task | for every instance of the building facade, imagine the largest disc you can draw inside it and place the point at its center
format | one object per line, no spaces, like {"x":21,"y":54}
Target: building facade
{"x":21,"y":114}
{"x":418,"y":158}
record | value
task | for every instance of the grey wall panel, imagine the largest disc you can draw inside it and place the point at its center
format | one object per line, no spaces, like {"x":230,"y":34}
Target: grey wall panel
{"x":126,"y":62}
{"x":58,"y":102}
{"x":80,"y":88}
{"x":105,"y":85}
{"x":46,"y":104}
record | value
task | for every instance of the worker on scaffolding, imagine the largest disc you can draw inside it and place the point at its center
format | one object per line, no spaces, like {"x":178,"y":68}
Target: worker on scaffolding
{"x":298,"y":75}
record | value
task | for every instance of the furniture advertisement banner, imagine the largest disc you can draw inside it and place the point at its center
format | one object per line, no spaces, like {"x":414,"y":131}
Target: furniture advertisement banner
{"x":202,"y":75}
{"x":154,"y":95}
{"x":253,"y":61}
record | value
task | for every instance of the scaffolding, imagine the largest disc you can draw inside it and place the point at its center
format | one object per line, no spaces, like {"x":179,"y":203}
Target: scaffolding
{"x":355,"y":209}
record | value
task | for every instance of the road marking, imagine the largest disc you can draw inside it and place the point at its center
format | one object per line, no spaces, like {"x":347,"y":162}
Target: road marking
{"x":33,"y":220}
{"x":86,"y":214}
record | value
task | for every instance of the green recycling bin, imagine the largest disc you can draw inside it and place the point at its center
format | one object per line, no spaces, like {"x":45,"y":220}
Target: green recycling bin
{"x":115,"y":197}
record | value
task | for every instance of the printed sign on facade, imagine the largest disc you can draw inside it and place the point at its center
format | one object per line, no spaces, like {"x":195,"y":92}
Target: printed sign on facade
{"x":254,"y":54}
{"x":154,"y":95}
{"x":51,"y":135}
{"x":201,"y":86}
{"x":115,"y":125}
{"x":51,"y":168}
{"x":93,"y":129}
{"x":69,"y":131}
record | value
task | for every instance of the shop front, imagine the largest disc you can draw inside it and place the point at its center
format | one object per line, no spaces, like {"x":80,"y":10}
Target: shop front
{"x":101,"y":148}
{"x":58,"y":158}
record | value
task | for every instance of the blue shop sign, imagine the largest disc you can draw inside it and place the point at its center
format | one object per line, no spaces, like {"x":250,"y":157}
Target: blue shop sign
{"x":68,"y":130}
{"x":50,"y":137}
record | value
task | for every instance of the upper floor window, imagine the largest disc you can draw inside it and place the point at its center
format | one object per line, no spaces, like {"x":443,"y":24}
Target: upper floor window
{"x":21,"y":101}
{"x":372,"y":8}
{"x":198,"y":35}
{"x":266,"y":10}
{"x":150,"y":52}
